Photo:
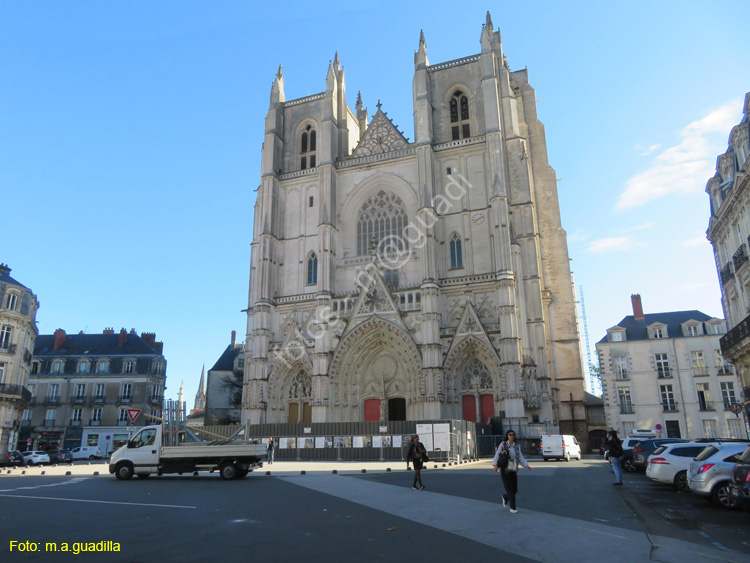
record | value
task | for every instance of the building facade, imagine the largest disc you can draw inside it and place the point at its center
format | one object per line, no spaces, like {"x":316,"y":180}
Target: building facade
{"x":83,"y":385}
{"x":728,"y":232}
{"x":397,"y":280}
{"x":665,"y":372}
{"x":18,"y":333}
{"x":224,"y":387}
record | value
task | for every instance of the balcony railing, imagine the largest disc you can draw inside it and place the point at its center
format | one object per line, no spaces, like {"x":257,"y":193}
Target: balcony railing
{"x":125,"y":398}
{"x":49,"y":422}
{"x":8,"y":348}
{"x":99,"y":399}
{"x":122,"y":423}
{"x":669,"y":406}
{"x":726,"y":273}
{"x":95,"y":422}
{"x":705,"y":405}
{"x":51,"y":400}
{"x":75,"y":422}
{"x":735,"y":336}
{"x":739,"y":257}
{"x":155,"y":400}
{"x":78,"y":399}
{"x":724,"y":370}
{"x":627,"y":409}
{"x":17,"y":390}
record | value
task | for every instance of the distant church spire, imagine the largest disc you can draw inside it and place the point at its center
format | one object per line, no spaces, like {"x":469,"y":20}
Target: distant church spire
{"x":200,"y":396}
{"x":420,"y":57}
{"x":181,"y":396}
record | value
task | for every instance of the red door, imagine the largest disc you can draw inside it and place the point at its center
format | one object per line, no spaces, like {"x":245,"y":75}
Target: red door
{"x":372,"y":410}
{"x":488,"y":408}
{"x":470,"y":408}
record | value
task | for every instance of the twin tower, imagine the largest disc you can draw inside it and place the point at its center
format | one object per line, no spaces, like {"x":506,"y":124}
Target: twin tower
{"x":424,"y":280}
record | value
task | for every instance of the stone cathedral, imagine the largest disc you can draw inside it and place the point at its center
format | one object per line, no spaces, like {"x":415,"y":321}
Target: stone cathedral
{"x":424,"y":280}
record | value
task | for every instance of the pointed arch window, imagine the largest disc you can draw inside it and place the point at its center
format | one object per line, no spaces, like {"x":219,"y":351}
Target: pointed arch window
{"x":312,"y":269}
{"x":308,"y":148}
{"x":381,"y":216}
{"x":476,"y":376}
{"x":457,"y":258}
{"x":459,"y":106}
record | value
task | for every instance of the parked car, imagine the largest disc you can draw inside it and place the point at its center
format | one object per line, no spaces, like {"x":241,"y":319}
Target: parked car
{"x":710,"y":474}
{"x":645,"y":448}
{"x":14,"y":457}
{"x":626,"y":459}
{"x":85,"y":452}
{"x":670,"y":463}
{"x":35,"y":458}
{"x":59,"y":456}
{"x":739,"y":487}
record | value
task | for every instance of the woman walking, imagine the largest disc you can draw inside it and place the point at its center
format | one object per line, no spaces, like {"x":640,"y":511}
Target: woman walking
{"x":510,"y":451}
{"x":417,"y":454}
{"x":615,"y":451}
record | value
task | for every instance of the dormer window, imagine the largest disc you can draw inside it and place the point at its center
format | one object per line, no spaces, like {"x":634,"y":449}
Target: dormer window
{"x":657,"y":331}
{"x":308,"y":144}
{"x":616,"y":336}
{"x":83,"y":367}
{"x":459,"y":106}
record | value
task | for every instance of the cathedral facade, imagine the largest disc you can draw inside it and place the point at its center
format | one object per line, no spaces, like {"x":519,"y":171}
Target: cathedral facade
{"x":424,"y":280}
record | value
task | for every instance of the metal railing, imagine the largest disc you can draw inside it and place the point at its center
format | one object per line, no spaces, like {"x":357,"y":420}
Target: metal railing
{"x":17,"y":390}
{"x":739,"y":257}
{"x":734,"y":336}
{"x":726,"y":273}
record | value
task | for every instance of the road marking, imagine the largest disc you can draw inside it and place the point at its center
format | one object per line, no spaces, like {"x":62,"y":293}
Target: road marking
{"x":717,"y":544}
{"x":102,"y":501}
{"x":704,"y":534}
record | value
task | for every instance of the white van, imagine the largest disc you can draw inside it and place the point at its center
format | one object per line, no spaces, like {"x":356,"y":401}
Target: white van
{"x":85,"y":453}
{"x":560,"y":446}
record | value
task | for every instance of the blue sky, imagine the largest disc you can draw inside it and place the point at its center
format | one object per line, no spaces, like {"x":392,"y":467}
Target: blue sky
{"x":131,"y":136}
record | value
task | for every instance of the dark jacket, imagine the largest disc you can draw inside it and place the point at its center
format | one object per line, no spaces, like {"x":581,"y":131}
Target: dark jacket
{"x":413,"y":452}
{"x":614,"y":445}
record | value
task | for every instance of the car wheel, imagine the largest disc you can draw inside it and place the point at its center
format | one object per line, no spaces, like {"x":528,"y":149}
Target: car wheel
{"x":720,"y":496}
{"x":124,"y":471}
{"x":680,"y":481}
{"x":629,"y":466}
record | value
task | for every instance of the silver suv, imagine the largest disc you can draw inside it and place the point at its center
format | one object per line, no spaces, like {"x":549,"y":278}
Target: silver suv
{"x":711,"y":472}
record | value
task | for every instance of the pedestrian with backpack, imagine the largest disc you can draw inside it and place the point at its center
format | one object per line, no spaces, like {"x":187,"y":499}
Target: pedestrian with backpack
{"x":615,"y":451}
{"x":507,"y":459}
{"x":417,"y":454}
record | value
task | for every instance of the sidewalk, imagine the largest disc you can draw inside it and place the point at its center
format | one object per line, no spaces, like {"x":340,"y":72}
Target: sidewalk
{"x":278,"y":468}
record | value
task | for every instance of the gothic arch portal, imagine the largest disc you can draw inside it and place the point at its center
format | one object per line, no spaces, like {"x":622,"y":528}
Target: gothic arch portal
{"x":471,"y":368}
{"x":289,"y":384}
{"x":374,"y":360}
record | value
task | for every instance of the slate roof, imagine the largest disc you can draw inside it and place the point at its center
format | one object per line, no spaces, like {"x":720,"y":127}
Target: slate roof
{"x":7,"y":280}
{"x":635,"y":329}
{"x":93,"y":345}
{"x":592,"y":400}
{"x":226,"y":361}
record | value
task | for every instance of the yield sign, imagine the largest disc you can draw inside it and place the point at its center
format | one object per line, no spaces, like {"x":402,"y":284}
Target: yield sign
{"x":133,"y":414}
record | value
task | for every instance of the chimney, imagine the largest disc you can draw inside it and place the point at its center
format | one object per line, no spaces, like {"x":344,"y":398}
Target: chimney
{"x":123,"y":337}
{"x":637,"y":306}
{"x":109,"y":330}
{"x":4,"y":269}
{"x":234,"y":337}
{"x":149,"y":338}
{"x":59,"y":338}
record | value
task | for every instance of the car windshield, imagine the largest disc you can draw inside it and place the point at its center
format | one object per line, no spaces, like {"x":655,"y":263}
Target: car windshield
{"x":708,"y":452}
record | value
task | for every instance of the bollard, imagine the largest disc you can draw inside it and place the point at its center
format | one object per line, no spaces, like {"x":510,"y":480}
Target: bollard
{"x":363,"y":471}
{"x":387,"y":469}
{"x":96,"y":474}
{"x":195,"y":473}
{"x":268,"y":472}
{"x":44,"y":472}
{"x":334,"y":472}
{"x":435,"y":466}
{"x":23,"y":472}
{"x":68,"y":473}
{"x":303,"y":472}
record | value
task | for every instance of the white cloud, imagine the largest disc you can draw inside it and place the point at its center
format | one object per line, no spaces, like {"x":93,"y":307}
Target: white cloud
{"x":578,"y":236}
{"x":614,"y":244}
{"x":686,"y":167}
{"x":648,"y":151}
{"x":642,"y":227}
{"x":695,"y":241}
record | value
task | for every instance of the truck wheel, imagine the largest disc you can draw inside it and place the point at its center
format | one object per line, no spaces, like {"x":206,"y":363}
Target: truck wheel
{"x":228,"y":470}
{"x":124,"y":471}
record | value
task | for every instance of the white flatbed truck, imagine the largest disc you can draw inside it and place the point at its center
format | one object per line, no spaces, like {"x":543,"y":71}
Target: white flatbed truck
{"x":144,"y":455}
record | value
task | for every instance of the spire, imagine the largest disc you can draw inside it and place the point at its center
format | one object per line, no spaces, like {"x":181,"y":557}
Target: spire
{"x":200,"y":396}
{"x":488,"y":23}
{"x":277,"y":88}
{"x":181,"y":396}
{"x":336,"y":64}
{"x":358,"y":105}
{"x":490,"y":37}
{"x":420,"y":57}
{"x":330,"y":78}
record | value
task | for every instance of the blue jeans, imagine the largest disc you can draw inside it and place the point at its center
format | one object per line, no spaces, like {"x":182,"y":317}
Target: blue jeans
{"x":616,"y":468}
{"x":270,"y":455}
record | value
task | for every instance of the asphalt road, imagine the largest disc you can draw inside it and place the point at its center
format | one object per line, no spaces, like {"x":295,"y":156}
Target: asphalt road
{"x":567,"y":512}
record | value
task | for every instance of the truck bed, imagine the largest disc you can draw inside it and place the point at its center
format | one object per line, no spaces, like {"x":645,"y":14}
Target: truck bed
{"x":205,"y":449}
